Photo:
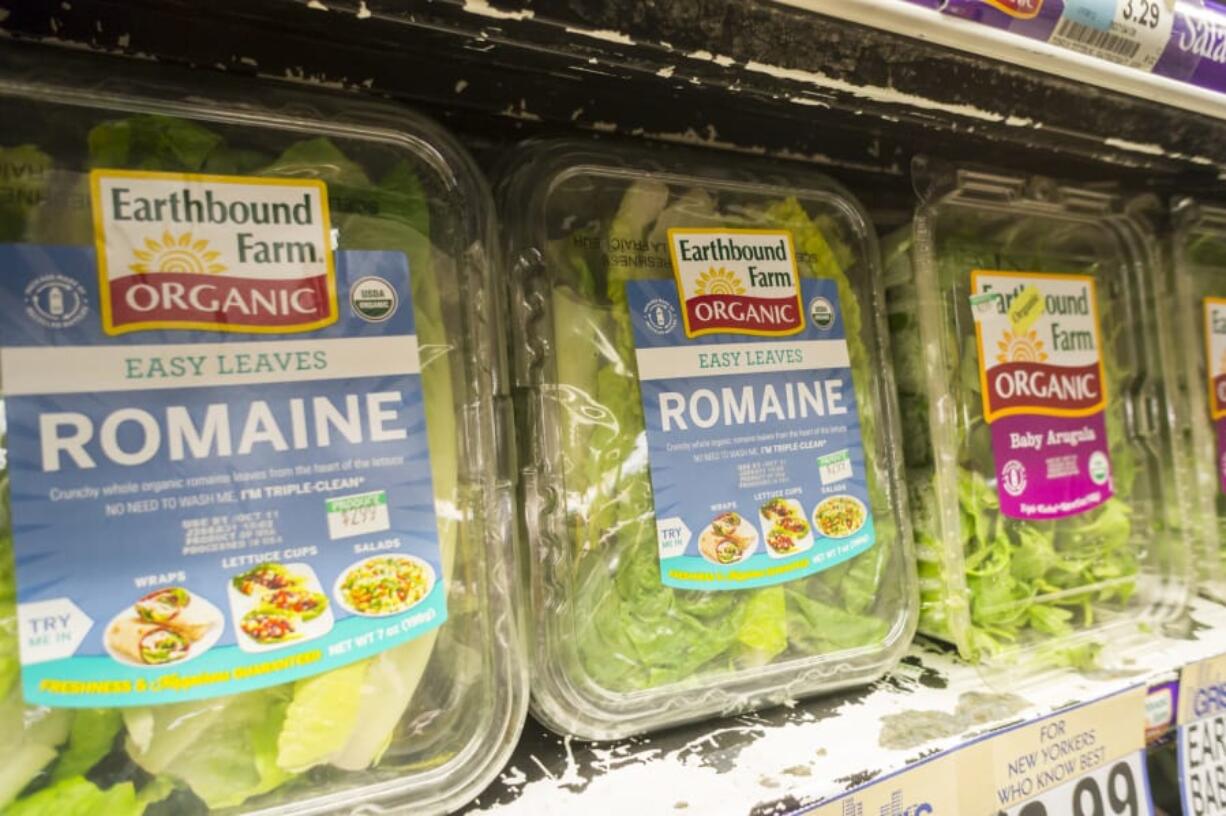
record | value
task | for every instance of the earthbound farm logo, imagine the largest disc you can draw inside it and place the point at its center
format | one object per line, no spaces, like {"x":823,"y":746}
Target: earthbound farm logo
{"x":218,"y":253}
{"x":1039,"y":344}
{"x":737,"y":281}
{"x":1215,"y":354}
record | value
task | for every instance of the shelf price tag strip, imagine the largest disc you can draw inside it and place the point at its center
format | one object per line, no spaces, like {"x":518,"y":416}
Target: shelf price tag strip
{"x":1088,"y":760}
{"x":1181,"y":40}
{"x":1202,"y":737}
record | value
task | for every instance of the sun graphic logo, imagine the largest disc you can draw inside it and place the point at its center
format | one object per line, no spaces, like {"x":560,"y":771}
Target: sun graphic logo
{"x":182,"y":255}
{"x":1020,"y":347}
{"x":718,"y":282}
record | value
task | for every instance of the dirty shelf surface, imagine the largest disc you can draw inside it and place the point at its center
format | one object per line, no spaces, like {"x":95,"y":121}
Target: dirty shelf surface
{"x":783,"y":760}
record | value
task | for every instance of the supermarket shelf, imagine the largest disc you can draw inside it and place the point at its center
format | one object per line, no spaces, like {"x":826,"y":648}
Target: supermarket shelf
{"x":824,"y":81}
{"x":784,"y":760}
{"x":750,"y":75}
{"x":930,"y":25}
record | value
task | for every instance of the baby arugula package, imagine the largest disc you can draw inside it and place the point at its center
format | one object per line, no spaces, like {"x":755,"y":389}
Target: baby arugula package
{"x":709,"y":448}
{"x":254,"y":545}
{"x":1039,"y":429}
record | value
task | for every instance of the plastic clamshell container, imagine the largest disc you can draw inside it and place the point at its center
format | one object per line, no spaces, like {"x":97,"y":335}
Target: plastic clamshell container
{"x":433,"y":720}
{"x":1057,"y":527}
{"x":1199,"y":298}
{"x":614,"y":650}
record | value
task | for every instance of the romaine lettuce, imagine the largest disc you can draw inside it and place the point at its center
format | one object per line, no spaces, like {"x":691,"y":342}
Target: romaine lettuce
{"x":77,"y":796}
{"x":632,"y":631}
{"x":230,"y":749}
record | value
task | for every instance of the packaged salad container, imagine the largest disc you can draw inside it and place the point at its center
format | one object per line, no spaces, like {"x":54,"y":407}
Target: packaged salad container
{"x":709,"y":444}
{"x":1199,"y":298}
{"x":256,"y":542}
{"x":1039,"y":430}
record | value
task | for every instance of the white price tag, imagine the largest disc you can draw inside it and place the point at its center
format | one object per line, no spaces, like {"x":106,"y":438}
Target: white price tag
{"x":1202,"y":766}
{"x":358,"y":515}
{"x":1132,"y":33}
{"x":1202,"y":737}
{"x":929,"y":788}
{"x":835,"y":467}
{"x":1119,"y":788}
{"x":1088,"y":760}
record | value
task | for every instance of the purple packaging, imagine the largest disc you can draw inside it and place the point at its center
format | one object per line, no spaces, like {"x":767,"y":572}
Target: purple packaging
{"x":1184,"y":40}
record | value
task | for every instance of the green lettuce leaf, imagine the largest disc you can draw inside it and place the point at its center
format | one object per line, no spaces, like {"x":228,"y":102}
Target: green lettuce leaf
{"x":764,"y":631}
{"x":32,"y":735}
{"x":25,"y":173}
{"x":224,"y":749}
{"x":77,"y":796}
{"x":90,"y":738}
{"x":323,"y":712}
{"x":152,"y":143}
{"x":390,"y":682}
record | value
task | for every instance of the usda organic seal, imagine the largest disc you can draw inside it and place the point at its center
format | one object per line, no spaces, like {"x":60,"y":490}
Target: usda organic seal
{"x":1100,"y":467}
{"x":821,"y":312}
{"x":373,"y":299}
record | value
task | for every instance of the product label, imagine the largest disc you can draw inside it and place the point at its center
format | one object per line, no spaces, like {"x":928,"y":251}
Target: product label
{"x":756,"y":459}
{"x":1161,"y":708}
{"x":1202,"y":737}
{"x":230,"y":254}
{"x":1215,"y":366}
{"x":1182,"y":41}
{"x":736,"y":281}
{"x":1133,"y":33}
{"x":1064,"y":763}
{"x":933,"y":786}
{"x":1203,"y":34}
{"x":198,"y":512}
{"x":1044,"y":391}
{"x":1089,"y":759}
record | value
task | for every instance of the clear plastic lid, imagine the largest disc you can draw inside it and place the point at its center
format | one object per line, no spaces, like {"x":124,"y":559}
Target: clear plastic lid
{"x":1038,"y":428}
{"x":709,"y":447}
{"x":1199,"y":299}
{"x":422,"y":725}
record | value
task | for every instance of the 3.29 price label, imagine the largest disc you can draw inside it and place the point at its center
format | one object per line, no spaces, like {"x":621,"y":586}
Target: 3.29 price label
{"x":1133,"y":33}
{"x":1115,"y":789}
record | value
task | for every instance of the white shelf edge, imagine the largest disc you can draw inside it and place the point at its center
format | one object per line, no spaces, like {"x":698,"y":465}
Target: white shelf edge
{"x":901,"y":17}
